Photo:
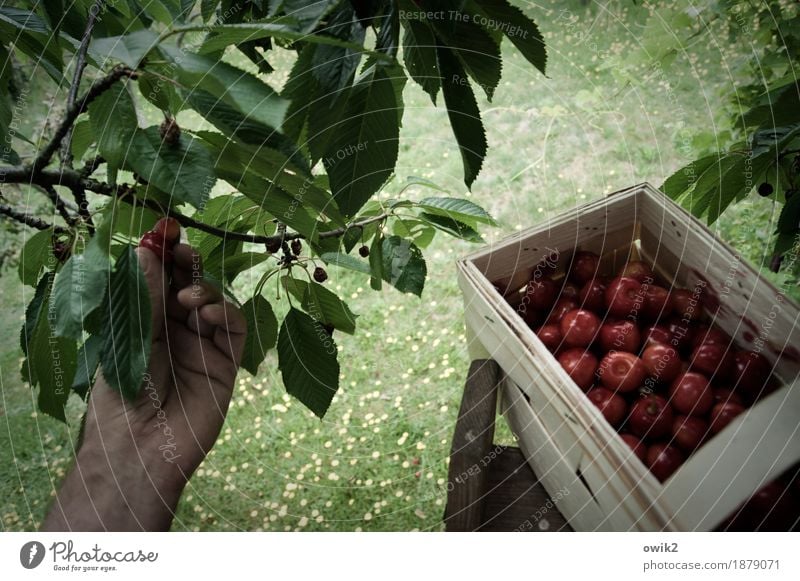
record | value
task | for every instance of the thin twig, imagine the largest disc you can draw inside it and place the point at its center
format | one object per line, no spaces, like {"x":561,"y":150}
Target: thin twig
{"x":60,"y":204}
{"x":28,"y":220}
{"x":80,"y":66}
{"x":92,"y":165}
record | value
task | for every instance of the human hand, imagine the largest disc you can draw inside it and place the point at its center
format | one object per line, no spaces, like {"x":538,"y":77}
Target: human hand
{"x":136,"y":457}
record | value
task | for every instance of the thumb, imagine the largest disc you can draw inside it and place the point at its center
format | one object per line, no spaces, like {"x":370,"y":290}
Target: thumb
{"x":153,"y":270}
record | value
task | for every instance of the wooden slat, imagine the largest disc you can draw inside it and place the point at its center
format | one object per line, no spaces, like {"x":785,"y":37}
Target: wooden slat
{"x":472,"y":447}
{"x":515,"y":500}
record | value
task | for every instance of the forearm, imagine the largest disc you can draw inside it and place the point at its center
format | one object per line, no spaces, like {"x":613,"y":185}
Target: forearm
{"x":125,"y":496}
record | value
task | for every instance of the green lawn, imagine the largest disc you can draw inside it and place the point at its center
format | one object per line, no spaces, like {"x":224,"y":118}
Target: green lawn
{"x":379,"y":459}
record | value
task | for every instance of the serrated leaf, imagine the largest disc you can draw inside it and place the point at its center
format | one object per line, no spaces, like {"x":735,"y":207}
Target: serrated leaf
{"x":33,"y":37}
{"x":363,"y":150}
{"x":262,"y":332}
{"x":37,"y":254}
{"x":789,"y":219}
{"x":452,"y":227}
{"x":403,"y":265}
{"x":82,"y":138}
{"x":679,"y":182}
{"x":240,"y":90}
{"x":307,"y":358}
{"x":419,"y":55}
{"x":33,"y":309}
{"x":474,"y":47}
{"x":160,"y":92}
{"x":51,"y":362}
{"x":737,"y":182}
{"x":88,"y":361}
{"x":208,"y":8}
{"x":345,"y":261}
{"x":113,"y":119}
{"x":323,"y":305}
{"x":376,"y":271}
{"x":183,"y":169}
{"x":308,"y":14}
{"x":417,"y":231}
{"x":519,"y":29}
{"x":465,"y":117}
{"x":128,"y":49}
{"x":334,"y":66}
{"x":458,"y":209}
{"x":79,"y":288}
{"x":128,"y":327}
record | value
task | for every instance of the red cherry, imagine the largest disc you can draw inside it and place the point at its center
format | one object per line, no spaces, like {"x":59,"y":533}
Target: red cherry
{"x":638,"y":270}
{"x":722,"y":395}
{"x":656,"y":334}
{"x":691,"y":394}
{"x":662,"y":361}
{"x":689,"y":432}
{"x":169,"y":228}
{"x":651,"y":417}
{"x":751,"y":372}
{"x":622,"y":371}
{"x":584,"y":267}
{"x":593,"y":295}
{"x":154,"y":242}
{"x":540,"y":294}
{"x":636,"y":445}
{"x":723,"y":414}
{"x":663,"y":460}
{"x":771,"y":508}
{"x":657,"y":302}
{"x":579,"y":328}
{"x":681,"y":334}
{"x":580,"y":365}
{"x":713,"y":360}
{"x":624,"y":297}
{"x":611,"y":405}
{"x":706,"y":334}
{"x":620,"y":336}
{"x":687,"y":305}
{"x":570,"y":290}
{"x":551,"y":336}
{"x":561,"y":308}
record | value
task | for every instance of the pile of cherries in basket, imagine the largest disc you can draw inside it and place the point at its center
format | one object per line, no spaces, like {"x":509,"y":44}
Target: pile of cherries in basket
{"x":642,"y":353}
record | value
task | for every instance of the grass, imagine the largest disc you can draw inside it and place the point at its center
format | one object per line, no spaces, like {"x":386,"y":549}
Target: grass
{"x":379,"y":459}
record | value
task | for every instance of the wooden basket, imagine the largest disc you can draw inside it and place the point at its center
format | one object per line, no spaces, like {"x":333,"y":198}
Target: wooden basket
{"x":577,"y":455}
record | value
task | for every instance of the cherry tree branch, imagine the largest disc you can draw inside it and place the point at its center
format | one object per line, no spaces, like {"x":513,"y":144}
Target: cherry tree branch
{"x":80,"y":66}
{"x":28,"y":220}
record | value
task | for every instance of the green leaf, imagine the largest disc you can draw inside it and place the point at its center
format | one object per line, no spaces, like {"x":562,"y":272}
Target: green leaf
{"x":737,"y":182}
{"x":323,"y":305}
{"x":403,"y":265}
{"x":474,"y":47}
{"x":114,"y":121}
{"x":31,"y":35}
{"x":308,"y":14}
{"x":465,"y":117}
{"x":221,"y":36}
{"x":80,"y":286}
{"x":51,"y":362}
{"x":376,"y":262}
{"x":518,"y":28}
{"x":208,"y":8}
{"x":238,"y":89}
{"x":129,"y":48}
{"x":155,"y":86}
{"x":419,"y":232}
{"x":33,"y":309}
{"x":82,"y":138}
{"x":334,"y":66}
{"x":184,"y":169}
{"x":300,"y":90}
{"x":363,"y":150}
{"x":789,"y":219}
{"x":345,"y":261}
{"x":234,"y":265}
{"x":130,"y":219}
{"x":37,"y":254}
{"x":679,"y":182}
{"x":452,"y":227}
{"x":88,"y":362}
{"x":458,"y":209}
{"x":419,"y":55}
{"x":262,"y":332}
{"x":128,"y":327}
{"x":307,"y":358}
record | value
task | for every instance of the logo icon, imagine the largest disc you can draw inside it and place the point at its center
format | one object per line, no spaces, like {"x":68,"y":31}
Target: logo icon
{"x":31,"y":554}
